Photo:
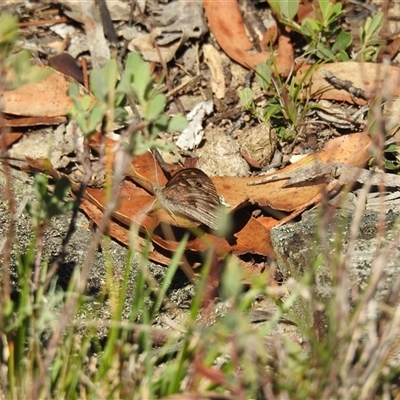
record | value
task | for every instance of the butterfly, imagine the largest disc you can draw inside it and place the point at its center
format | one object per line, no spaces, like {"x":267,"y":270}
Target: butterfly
{"x":192,"y":193}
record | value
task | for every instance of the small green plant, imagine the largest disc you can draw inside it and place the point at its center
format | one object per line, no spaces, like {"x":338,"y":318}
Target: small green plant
{"x":49,"y":204}
{"x":371,"y":44}
{"x":112,"y":93}
{"x":323,"y":34}
{"x":26,"y":321}
{"x":391,"y":156}
{"x":285,"y":110}
{"x":383,"y":122}
{"x":394,"y":164}
{"x":15,"y":66}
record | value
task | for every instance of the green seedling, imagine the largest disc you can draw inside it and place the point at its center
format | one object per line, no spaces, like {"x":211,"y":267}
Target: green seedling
{"x":111,"y":93}
{"x":371,"y":44}
{"x":285,"y":108}
{"x":49,"y":204}
{"x":323,"y":34}
{"x":15,"y":66}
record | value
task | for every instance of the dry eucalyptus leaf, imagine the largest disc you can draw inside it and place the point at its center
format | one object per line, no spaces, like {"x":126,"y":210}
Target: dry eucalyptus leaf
{"x":226,"y":23}
{"x":77,"y":39}
{"x":371,"y":78}
{"x":72,"y":9}
{"x":178,"y":22}
{"x":55,"y":145}
{"x":67,"y":65}
{"x":350,"y":149}
{"x":119,"y":10}
{"x":145,"y":45}
{"x":182,"y":20}
{"x":36,"y":145}
{"x":63,"y":30}
{"x":87,"y":13}
{"x":213,"y":60}
{"x":46,"y":98}
{"x":98,"y":46}
{"x":128,"y":32}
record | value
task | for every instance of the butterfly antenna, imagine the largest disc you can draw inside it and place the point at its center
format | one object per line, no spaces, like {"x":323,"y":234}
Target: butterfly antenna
{"x":157,"y":156}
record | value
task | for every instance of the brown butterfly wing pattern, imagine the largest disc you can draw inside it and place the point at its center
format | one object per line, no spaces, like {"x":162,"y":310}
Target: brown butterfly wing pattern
{"x":192,"y":193}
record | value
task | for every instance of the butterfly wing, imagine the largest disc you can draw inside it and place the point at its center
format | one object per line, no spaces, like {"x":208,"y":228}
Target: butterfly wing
{"x":192,"y":193}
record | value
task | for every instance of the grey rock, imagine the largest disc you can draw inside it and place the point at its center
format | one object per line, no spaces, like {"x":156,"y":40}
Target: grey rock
{"x":330,"y":244}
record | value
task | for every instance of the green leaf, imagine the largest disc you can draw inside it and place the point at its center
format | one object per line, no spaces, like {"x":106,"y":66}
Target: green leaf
{"x":285,"y":8}
{"x":9,"y":31}
{"x":310,"y":27}
{"x":263,"y":75}
{"x":124,"y":85}
{"x":85,"y":102}
{"x":246,"y":97}
{"x":272,"y":111}
{"x":62,"y":188}
{"x":342,"y":42}
{"x":133,"y":62}
{"x":331,"y":12}
{"x":177,"y":123}
{"x":155,"y":107}
{"x":98,"y":84}
{"x":136,"y":77}
{"x":372,"y":25}
{"x":142,"y":81}
{"x":103,"y":80}
{"x":110,"y":72}
{"x":336,"y":12}
{"x":80,"y":105}
{"x":161,"y":124}
{"x":120,"y":99}
{"x":95,"y":119}
{"x":324,"y":52}
{"x":231,"y":281}
{"x":375,"y":41}
{"x":343,"y":56}
{"x":361,"y":33}
{"x":390,"y":166}
{"x":73,"y":90}
{"x":393,"y":148}
{"x":274,"y":4}
{"x":121,"y":115}
{"x":325,"y":6}
{"x":40,"y":186}
{"x":55,"y":202}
